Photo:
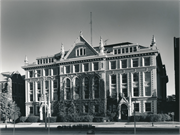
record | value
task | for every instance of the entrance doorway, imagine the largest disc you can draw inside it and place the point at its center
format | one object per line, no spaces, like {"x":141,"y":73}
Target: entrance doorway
{"x":124,"y":112}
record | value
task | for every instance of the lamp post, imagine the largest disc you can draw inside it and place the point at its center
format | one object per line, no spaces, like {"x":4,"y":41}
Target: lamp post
{"x":134,"y":118}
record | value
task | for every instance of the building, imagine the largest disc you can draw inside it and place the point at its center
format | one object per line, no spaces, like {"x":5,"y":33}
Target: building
{"x":176,"y":68}
{"x":120,"y":77}
{"x":14,"y":84}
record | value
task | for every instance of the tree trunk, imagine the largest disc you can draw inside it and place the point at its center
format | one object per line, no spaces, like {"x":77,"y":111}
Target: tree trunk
{"x":5,"y":123}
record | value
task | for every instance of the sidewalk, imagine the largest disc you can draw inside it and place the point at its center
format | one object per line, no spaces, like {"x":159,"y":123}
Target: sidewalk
{"x":97,"y":124}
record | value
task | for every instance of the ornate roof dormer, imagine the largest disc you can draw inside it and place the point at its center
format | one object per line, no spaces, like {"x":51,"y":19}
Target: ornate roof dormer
{"x":153,"y":43}
{"x":25,"y":61}
{"x":101,"y":47}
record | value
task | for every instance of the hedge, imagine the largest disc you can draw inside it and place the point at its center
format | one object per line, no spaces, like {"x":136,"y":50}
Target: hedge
{"x":23,"y":118}
{"x":150,"y":118}
{"x":33,"y":119}
{"x":75,"y":118}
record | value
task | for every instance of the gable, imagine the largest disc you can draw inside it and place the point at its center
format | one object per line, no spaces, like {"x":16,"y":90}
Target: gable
{"x":81,"y":49}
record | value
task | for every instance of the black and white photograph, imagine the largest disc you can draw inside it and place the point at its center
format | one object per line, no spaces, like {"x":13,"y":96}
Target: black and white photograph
{"x":89,"y":67}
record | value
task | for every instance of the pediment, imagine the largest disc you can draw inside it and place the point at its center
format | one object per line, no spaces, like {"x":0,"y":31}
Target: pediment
{"x":81,"y":48}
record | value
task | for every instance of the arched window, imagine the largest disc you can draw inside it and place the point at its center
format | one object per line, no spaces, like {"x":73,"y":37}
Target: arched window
{"x":76,"y":89}
{"x":67,"y":89}
{"x":86,"y":88}
{"x":96,"y":87}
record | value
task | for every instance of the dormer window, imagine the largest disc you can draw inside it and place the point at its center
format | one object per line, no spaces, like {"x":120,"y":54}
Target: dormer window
{"x":81,"y":51}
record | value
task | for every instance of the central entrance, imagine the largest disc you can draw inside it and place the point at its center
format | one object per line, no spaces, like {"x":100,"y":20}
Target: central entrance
{"x":124,"y":112}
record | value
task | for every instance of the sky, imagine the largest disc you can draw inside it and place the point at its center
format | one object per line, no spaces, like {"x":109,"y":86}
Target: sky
{"x":37,"y":28}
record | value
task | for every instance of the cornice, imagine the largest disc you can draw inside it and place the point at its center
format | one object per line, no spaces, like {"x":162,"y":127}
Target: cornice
{"x":90,"y":59}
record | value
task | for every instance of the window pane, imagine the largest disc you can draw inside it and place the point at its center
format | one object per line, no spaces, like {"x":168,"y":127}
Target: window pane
{"x":136,"y":92}
{"x":135,"y":49}
{"x":96,"y":66}
{"x":124,"y":78}
{"x":77,"y":89}
{"x":147,"y":76}
{"x":113,"y":79}
{"x":130,"y":49}
{"x":135,"y":62}
{"x":38,"y":73}
{"x":77,"y":68}
{"x":126,"y":50}
{"x":67,"y":69}
{"x":86,"y":67}
{"x":147,"y":61}
{"x":136,"y":107}
{"x":31,"y":97}
{"x":38,"y":85}
{"x":96,"y":87}
{"x":54,"y":71}
{"x":81,"y":51}
{"x":46,"y":84}
{"x":122,"y":50}
{"x":46,"y":72}
{"x":115,"y":51}
{"x":147,"y":91}
{"x":124,"y":63}
{"x":124,"y":90}
{"x":119,"y":51}
{"x":135,"y":77}
{"x":30,"y":73}
{"x":68,"y":96}
{"x":113,"y":64}
{"x":31,"y":86}
{"x":148,"y":106}
{"x":86,"y":109}
{"x":86,"y":88}
{"x":55,"y":83}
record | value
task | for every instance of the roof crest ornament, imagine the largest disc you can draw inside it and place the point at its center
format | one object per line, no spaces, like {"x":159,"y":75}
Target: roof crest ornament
{"x":25,"y":61}
{"x":101,"y":46}
{"x":153,"y":43}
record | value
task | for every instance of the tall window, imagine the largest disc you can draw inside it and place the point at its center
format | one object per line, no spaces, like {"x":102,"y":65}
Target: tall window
{"x":38,"y":96}
{"x":31,"y":85}
{"x":54,"y":71}
{"x":77,"y":89}
{"x":136,"y":91}
{"x":113,"y":64}
{"x":96,"y":67}
{"x":135,"y":77}
{"x":130,"y":49}
{"x":86,"y":87}
{"x":30,"y":74}
{"x":113,"y":86}
{"x":147,"y":91}
{"x":96,"y":87}
{"x":67,"y":68}
{"x":123,"y":50}
{"x":115,"y":51}
{"x":135,"y":62}
{"x":46,"y":84}
{"x":31,"y":96}
{"x":76,"y":68}
{"x":124,"y":78}
{"x":126,"y":50}
{"x":135,"y":49}
{"x":148,"y":107}
{"x":147,"y":61}
{"x":55,"y":84}
{"x":136,"y":107}
{"x":147,"y":83}
{"x":86,"y":109}
{"x":96,"y":108}
{"x":67,"y":89}
{"x":38,"y":85}
{"x":31,"y":110}
{"x":119,"y":51}
{"x":86,"y":67}
{"x":46,"y":72}
{"x":124,"y":63}
{"x":38,"y":73}
{"x":124,"y":90}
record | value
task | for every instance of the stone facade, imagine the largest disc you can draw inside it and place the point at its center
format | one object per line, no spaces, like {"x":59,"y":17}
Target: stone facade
{"x":117,"y":77}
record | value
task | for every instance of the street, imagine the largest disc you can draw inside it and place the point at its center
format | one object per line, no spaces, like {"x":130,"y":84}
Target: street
{"x":55,"y":131}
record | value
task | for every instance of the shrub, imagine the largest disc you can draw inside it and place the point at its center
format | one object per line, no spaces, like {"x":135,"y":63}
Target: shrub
{"x":143,"y":117}
{"x":137,"y":118}
{"x":23,"y":118}
{"x":87,"y":118}
{"x":112,"y":115}
{"x":32,"y":119}
{"x":53,"y":119}
{"x":98,"y":119}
